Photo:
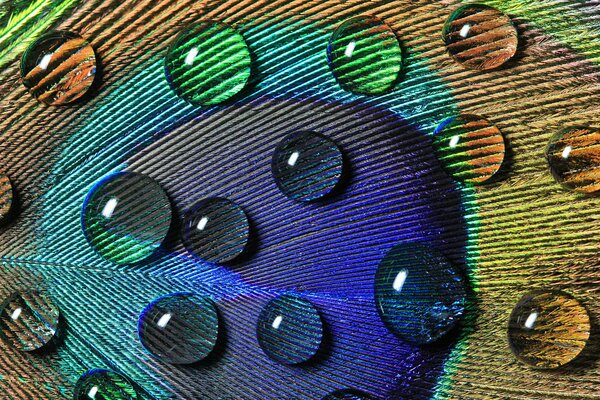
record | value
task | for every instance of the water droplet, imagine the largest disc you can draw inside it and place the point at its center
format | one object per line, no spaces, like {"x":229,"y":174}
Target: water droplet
{"x":347,"y":394}
{"x":29,"y":321}
{"x":208,"y":63}
{"x":290,"y":330}
{"x":548,"y":329}
{"x":572,"y":155}
{"x":419,"y":294}
{"x":216,"y":230}
{"x":6,"y":197}
{"x":365,"y":56}
{"x":469,"y":147}
{"x":307,"y":166}
{"x":126,"y":217}
{"x":102,"y":384}
{"x":179,"y":328}
{"x":59,"y":68}
{"x":480,"y":37}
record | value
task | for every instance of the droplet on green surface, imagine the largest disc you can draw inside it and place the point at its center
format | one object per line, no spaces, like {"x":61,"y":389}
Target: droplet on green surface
{"x":365,"y":56}
{"x":469,"y":147}
{"x":102,"y":384}
{"x":208,"y":63}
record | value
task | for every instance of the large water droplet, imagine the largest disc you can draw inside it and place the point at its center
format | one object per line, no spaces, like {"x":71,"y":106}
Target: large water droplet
{"x":290,"y":330}
{"x":126,"y":217}
{"x":216,"y":230}
{"x":573,"y":155}
{"x":307,"y":166}
{"x":548,"y":329}
{"x":420,"y":296}
{"x":480,"y":37}
{"x":59,"y":68}
{"x":208,"y":63}
{"x":347,"y":394}
{"x":102,"y":384}
{"x":365,"y":56}
{"x":179,"y":328}
{"x":6,"y":197}
{"x":469,"y":147}
{"x":29,"y":320}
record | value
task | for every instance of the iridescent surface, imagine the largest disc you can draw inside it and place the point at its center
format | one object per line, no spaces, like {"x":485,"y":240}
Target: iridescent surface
{"x":208,"y":63}
{"x":365,"y":56}
{"x":8,"y":8}
{"x":290,"y":330}
{"x":307,"y":166}
{"x":548,"y":329}
{"x":347,"y":394}
{"x":480,"y":37}
{"x":179,"y":328}
{"x":29,"y":321}
{"x":6,"y":197}
{"x":469,"y":147}
{"x":102,"y":384}
{"x":125,"y":217}
{"x":216,"y":230}
{"x":59,"y":68}
{"x":573,"y":155}
{"x":420,"y":296}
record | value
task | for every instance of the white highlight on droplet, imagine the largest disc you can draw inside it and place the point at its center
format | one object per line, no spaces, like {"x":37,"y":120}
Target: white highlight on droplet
{"x":92,"y":393}
{"x":277,"y":322}
{"x":454,"y":141}
{"x":202,"y":223}
{"x":531,"y":320}
{"x":109,"y":208}
{"x":400,"y":279}
{"x":45,"y":61}
{"x":464,"y":32}
{"x":164,"y":320}
{"x":293,"y":159}
{"x":350,"y":49}
{"x":191,"y":56}
{"x":16,"y":314}
{"x":566,"y":152}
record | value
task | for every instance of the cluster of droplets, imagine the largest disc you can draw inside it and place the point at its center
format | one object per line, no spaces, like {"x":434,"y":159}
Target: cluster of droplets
{"x":420,"y":295}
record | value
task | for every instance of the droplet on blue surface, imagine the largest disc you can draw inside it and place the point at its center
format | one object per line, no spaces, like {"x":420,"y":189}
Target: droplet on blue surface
{"x":365,"y":56}
{"x":208,"y":63}
{"x":307,"y":166}
{"x":103,"y":384}
{"x":548,"y":329}
{"x":216,"y":230}
{"x":290,"y":330}
{"x":347,"y":394}
{"x":59,"y":68}
{"x":126,"y":217}
{"x":179,"y":328}
{"x":29,"y":320}
{"x":419,"y":294}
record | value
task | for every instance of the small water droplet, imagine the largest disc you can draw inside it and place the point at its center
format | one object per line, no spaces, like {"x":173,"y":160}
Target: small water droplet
{"x":290,"y":330}
{"x":548,"y":329}
{"x":29,"y":321}
{"x":126,"y":217}
{"x":208,"y":63}
{"x":469,"y":147}
{"x":179,"y":328}
{"x":307,"y":166}
{"x":216,"y":230}
{"x":59,"y":68}
{"x":420,"y":296}
{"x":102,"y":384}
{"x":572,"y":155}
{"x":480,"y":37}
{"x":365,"y":56}
{"x":347,"y":394}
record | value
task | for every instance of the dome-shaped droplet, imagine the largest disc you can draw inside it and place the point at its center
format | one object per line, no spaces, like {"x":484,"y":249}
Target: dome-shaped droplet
{"x":573,"y":155}
{"x":208,"y":63}
{"x":126,"y":217}
{"x":29,"y":320}
{"x":480,"y":37}
{"x":420,"y":296}
{"x":307,"y":166}
{"x":469,"y":147}
{"x":548,"y":329}
{"x":290,"y":330}
{"x":59,"y":68}
{"x":102,"y":384}
{"x":6,"y":197}
{"x":365,"y":56}
{"x":179,"y":328}
{"x":347,"y":394}
{"x":216,"y":230}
